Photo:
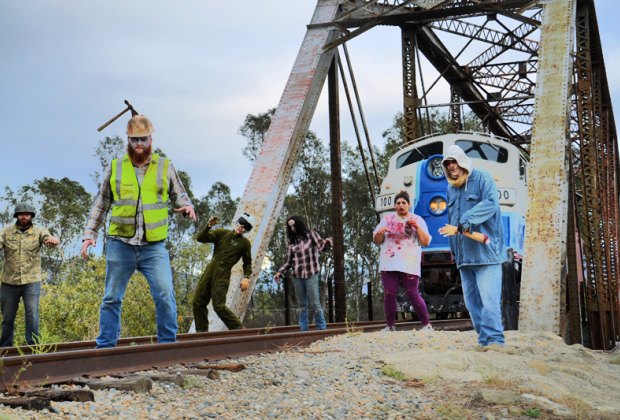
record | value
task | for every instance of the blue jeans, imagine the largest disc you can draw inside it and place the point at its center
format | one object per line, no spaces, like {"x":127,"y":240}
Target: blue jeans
{"x":9,"y":302}
{"x":153,"y":261}
{"x":482,"y":291}
{"x":307,"y":291}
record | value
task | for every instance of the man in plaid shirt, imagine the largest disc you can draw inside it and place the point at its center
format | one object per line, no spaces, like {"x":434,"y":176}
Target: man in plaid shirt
{"x":137,"y":188}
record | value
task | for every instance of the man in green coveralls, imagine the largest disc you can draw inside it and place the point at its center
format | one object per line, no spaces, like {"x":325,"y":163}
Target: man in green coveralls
{"x":229,"y":247}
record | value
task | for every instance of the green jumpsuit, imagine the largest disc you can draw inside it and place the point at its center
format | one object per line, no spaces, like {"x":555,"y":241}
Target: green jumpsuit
{"x":229,"y":247}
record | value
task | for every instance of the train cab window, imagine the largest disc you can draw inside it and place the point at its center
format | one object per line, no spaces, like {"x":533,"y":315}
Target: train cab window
{"x":418,"y":154}
{"x":486,"y":151}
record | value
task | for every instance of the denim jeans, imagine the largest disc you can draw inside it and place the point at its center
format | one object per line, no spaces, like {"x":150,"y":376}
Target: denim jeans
{"x":153,"y":261}
{"x":391,"y":281}
{"x":307,"y":292}
{"x":9,"y":302}
{"x":482,"y":291}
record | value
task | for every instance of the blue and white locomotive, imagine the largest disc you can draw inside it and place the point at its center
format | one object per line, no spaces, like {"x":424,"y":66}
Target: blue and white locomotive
{"x":416,"y":168}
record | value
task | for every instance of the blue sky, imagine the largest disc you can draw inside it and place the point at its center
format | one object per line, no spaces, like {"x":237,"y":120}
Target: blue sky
{"x":196,"y":68}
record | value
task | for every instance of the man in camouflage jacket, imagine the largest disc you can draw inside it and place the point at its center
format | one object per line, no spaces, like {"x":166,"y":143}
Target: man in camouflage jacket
{"x":21,"y":277}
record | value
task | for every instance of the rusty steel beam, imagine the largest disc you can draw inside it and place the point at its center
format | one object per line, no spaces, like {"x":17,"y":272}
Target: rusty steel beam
{"x":521,"y":69}
{"x":571,"y":330}
{"x":418,"y":12}
{"x":510,"y":41}
{"x":511,"y":77}
{"x":481,"y":33}
{"x":265,"y":191}
{"x":542,"y":285}
{"x":439,"y":56}
{"x":456,"y":119}
{"x":410,"y":93}
{"x":512,"y":68}
{"x":590,"y":203}
{"x":597,"y":150}
{"x":460,"y":77}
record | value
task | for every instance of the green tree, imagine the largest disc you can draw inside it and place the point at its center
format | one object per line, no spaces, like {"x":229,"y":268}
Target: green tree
{"x":360,"y":219}
{"x":220,"y":203}
{"x":62,"y":206}
{"x":254,"y":129}
{"x":107,"y":150}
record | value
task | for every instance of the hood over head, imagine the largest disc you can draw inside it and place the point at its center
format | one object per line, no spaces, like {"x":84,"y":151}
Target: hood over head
{"x":454,"y":152}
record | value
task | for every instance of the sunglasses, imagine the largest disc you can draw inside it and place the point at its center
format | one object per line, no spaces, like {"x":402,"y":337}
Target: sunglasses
{"x":136,"y":140}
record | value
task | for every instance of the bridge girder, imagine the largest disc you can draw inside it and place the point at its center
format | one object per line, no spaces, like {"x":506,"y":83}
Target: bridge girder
{"x":570,"y":137}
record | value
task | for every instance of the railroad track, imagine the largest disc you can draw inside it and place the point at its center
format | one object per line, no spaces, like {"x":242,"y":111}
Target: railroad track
{"x":71,"y":361}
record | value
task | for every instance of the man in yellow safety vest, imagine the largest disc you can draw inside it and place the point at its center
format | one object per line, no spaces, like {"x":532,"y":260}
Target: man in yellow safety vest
{"x":138,"y":188}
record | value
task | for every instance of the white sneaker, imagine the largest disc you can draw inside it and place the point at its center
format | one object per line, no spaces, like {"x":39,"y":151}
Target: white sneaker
{"x":427,"y":327}
{"x":388,"y":329}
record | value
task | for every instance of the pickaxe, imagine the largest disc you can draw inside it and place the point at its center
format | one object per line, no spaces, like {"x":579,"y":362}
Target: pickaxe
{"x":129,"y":108}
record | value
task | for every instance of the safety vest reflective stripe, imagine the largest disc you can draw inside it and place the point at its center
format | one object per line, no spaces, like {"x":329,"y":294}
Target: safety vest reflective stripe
{"x":127,"y":194}
{"x":155,"y":206}
{"x":160,"y":177}
{"x":119,"y":176}
{"x":156,"y":225}
{"x":132,"y":203}
{"x":123,"y":220}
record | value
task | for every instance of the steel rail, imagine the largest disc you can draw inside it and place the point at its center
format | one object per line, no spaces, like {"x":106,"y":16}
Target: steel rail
{"x":132,"y":341}
{"x":61,"y":366}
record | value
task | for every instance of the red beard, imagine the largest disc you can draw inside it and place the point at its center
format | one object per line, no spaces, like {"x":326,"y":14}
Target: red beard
{"x":139,"y":159}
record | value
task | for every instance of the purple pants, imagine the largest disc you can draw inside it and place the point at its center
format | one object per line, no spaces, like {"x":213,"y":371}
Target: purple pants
{"x":391,"y":280}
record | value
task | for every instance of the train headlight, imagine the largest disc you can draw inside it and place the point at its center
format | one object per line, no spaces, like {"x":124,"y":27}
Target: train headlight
{"x":437,"y":206}
{"x":434,"y":168}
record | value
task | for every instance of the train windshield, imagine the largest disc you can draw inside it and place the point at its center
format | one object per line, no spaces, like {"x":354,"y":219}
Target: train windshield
{"x":486,"y":151}
{"x":418,"y":154}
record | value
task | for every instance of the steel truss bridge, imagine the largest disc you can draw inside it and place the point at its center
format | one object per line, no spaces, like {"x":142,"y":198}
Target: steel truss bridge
{"x":531,"y":72}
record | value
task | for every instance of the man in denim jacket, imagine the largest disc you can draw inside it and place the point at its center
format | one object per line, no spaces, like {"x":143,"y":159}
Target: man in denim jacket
{"x":473,"y":206}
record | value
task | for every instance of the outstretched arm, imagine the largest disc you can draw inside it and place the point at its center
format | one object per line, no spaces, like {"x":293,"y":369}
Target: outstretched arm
{"x":99,"y":209}
{"x":451,"y":230}
{"x":205,"y":235}
{"x":289,"y":261}
{"x":179,"y":196}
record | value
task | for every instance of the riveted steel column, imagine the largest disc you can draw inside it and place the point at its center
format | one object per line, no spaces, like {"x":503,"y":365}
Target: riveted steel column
{"x":410,"y":94}
{"x":597,"y":172}
{"x":265,"y":191}
{"x":456,"y":119}
{"x":544,"y":268}
{"x":335,"y":159}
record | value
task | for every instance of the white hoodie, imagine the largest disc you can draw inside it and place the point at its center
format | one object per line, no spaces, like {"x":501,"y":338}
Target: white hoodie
{"x":456,"y":153}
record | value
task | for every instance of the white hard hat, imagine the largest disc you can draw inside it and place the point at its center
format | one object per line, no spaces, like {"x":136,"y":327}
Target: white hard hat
{"x":247,"y":221}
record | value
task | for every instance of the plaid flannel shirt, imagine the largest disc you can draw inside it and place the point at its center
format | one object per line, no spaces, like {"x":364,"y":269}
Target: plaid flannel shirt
{"x":303,"y":257}
{"x":104,"y":198}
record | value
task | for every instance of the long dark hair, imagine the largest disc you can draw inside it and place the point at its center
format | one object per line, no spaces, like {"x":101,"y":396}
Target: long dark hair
{"x":301,"y":231}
